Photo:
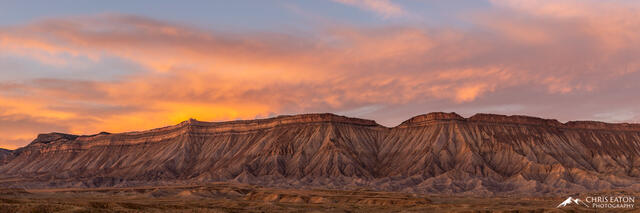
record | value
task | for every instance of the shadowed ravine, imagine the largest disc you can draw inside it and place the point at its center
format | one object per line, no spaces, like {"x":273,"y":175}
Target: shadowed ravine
{"x":436,"y":153}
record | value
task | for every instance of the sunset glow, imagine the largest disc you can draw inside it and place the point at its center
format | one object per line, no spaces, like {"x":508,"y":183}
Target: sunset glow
{"x":124,"y":69}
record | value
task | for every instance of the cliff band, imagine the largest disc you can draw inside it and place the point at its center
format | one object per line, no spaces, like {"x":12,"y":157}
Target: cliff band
{"x":439,"y":153}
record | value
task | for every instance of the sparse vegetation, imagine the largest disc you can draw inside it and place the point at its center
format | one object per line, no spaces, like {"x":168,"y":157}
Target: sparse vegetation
{"x":226,"y":197}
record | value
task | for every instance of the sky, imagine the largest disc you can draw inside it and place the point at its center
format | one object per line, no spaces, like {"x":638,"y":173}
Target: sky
{"x":84,"y":67}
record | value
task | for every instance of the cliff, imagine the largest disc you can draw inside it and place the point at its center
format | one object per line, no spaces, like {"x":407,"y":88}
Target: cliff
{"x":4,"y":155}
{"x":441,"y":153}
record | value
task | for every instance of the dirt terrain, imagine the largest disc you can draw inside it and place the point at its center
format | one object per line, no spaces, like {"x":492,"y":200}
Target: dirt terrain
{"x":228,"y":197}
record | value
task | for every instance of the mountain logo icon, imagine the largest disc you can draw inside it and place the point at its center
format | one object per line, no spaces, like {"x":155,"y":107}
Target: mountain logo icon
{"x":571,"y":200}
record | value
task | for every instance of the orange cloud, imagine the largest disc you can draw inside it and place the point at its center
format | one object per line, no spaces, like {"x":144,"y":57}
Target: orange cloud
{"x":208,"y":75}
{"x":469,"y":93}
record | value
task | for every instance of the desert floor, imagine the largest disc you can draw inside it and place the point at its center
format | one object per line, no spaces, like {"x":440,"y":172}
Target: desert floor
{"x":226,"y":197}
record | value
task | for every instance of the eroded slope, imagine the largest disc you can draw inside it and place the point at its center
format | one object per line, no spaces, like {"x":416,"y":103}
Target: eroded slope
{"x":440,"y":153}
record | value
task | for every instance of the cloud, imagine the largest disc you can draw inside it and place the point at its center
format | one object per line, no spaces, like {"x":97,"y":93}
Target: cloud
{"x":469,"y":93}
{"x":20,"y":129}
{"x":613,"y":22}
{"x":566,"y":65}
{"x":385,"y":8}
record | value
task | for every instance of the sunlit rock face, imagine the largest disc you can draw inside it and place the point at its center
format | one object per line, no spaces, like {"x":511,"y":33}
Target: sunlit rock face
{"x":440,"y":153}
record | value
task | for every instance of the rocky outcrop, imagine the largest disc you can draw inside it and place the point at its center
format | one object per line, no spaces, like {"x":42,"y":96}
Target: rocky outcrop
{"x":514,"y":119}
{"x":441,"y":153}
{"x":4,"y":155}
{"x":431,"y":118}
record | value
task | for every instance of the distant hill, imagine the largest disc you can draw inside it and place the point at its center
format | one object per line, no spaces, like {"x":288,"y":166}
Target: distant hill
{"x":440,"y":153}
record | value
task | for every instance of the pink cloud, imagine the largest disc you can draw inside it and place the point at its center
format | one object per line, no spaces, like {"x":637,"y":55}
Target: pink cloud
{"x":553,"y":52}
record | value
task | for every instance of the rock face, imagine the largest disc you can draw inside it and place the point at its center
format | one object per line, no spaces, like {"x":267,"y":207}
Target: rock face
{"x":440,"y":153}
{"x":4,"y":155}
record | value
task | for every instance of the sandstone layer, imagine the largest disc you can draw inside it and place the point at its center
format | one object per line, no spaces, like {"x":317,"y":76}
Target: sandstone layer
{"x":436,"y":153}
